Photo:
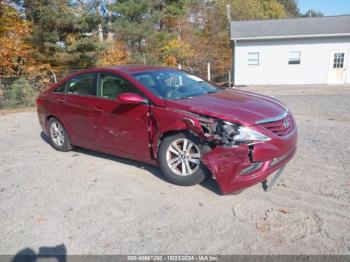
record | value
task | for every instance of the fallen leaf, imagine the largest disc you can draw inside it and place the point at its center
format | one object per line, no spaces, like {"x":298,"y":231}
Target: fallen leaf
{"x":40,"y":220}
{"x":283,"y":210}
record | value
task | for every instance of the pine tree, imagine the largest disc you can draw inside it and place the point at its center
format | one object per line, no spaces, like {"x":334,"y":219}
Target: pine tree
{"x":63,"y":32}
{"x":291,"y":7}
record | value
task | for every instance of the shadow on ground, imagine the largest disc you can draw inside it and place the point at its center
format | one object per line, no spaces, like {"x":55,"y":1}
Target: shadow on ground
{"x":55,"y":253}
{"x":209,"y":183}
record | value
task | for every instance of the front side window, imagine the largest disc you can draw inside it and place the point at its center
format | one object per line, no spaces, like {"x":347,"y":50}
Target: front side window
{"x":254,"y":58}
{"x":81,"y":85}
{"x":174,"y":84}
{"x":111,"y":86}
{"x":294,"y":58}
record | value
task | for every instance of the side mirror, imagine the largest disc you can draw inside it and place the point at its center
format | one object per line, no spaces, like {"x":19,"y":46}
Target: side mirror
{"x":131,"y":99}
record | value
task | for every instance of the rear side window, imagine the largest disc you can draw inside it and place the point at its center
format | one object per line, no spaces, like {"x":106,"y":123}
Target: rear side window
{"x":81,"y":85}
{"x":60,"y":89}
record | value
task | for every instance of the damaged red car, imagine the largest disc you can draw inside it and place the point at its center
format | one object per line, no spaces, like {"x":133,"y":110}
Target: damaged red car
{"x":187,"y":126}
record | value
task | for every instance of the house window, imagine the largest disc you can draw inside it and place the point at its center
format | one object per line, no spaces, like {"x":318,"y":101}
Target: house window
{"x":338,"y":61}
{"x":253,"y":58}
{"x":294,"y":58}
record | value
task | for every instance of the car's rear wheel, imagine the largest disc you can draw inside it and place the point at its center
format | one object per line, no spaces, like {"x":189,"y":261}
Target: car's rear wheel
{"x":179,"y":158}
{"x":58,"y":135}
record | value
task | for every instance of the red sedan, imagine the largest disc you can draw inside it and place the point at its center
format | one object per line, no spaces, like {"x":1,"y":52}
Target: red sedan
{"x":169,"y":118}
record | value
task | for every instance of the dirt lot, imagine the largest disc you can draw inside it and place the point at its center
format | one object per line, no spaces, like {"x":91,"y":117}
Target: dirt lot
{"x":94,"y":203}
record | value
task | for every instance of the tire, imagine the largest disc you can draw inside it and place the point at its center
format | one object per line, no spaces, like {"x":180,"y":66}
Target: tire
{"x":172,"y":159}
{"x":58,"y":135}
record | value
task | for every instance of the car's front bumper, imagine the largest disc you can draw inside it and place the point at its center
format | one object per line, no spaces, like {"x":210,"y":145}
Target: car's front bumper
{"x":236,"y":168}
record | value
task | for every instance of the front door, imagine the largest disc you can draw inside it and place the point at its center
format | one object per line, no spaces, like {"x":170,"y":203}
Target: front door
{"x":119,"y":126}
{"x":337,"y":71}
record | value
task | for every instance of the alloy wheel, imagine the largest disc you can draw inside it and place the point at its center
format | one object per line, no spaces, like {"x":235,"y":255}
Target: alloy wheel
{"x":57,"y":133}
{"x":183,"y":157}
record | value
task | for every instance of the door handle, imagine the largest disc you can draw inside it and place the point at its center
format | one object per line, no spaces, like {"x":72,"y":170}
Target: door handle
{"x":60,"y":100}
{"x":97,"y":109}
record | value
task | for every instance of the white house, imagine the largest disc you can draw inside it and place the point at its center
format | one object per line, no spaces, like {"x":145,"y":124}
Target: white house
{"x":291,"y":51}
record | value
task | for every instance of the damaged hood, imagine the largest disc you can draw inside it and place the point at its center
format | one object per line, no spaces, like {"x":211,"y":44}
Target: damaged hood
{"x":236,"y":106}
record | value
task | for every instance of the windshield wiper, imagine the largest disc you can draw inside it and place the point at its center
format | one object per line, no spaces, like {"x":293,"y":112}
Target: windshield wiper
{"x":193,"y":95}
{"x":183,"y":97}
{"x":211,"y":92}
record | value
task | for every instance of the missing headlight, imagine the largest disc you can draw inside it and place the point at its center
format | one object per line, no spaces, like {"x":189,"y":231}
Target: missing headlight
{"x":208,"y":126}
{"x":226,"y":132}
{"x":229,"y":134}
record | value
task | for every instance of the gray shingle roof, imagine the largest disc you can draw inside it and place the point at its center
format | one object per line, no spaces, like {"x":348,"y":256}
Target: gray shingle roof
{"x":291,"y":28}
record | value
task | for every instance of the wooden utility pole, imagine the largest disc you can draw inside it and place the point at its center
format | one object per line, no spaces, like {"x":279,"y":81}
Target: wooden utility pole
{"x":233,"y":46}
{"x":100,"y":33}
{"x":110,"y":34}
{"x":229,"y":78}
{"x":99,"y":28}
{"x":209,"y":76}
{"x":228,"y":9}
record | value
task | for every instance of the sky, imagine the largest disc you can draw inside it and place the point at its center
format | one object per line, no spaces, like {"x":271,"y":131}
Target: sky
{"x":327,"y":7}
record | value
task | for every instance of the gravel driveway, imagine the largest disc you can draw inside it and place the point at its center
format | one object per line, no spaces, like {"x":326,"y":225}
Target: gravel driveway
{"x":93,"y":203}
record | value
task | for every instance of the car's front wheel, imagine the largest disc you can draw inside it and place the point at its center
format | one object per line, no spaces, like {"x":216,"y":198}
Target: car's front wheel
{"x":58,"y":135}
{"x":179,"y":158}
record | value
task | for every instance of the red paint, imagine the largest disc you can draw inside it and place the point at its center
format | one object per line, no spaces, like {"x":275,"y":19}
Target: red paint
{"x":130,"y":127}
{"x":40,"y":102}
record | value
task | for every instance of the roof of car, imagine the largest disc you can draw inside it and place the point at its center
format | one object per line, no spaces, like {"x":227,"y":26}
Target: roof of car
{"x":130,"y":69}
{"x":127,"y":69}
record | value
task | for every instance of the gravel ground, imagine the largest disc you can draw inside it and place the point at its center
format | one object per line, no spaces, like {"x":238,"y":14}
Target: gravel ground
{"x":93,"y":203}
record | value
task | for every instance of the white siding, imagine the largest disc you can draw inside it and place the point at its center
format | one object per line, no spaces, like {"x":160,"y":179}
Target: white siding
{"x":273,"y":66}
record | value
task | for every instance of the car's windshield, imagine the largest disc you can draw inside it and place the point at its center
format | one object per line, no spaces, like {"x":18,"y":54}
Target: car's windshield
{"x":174,"y":84}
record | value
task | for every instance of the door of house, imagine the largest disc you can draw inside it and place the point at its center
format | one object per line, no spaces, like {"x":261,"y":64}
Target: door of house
{"x":337,"y":69}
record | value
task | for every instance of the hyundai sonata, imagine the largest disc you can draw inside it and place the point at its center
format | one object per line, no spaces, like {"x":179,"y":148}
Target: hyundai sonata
{"x":172,"y":119}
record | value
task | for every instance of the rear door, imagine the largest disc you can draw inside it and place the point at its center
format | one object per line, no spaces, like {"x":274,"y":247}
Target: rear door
{"x":76,"y":109}
{"x":119,"y":126}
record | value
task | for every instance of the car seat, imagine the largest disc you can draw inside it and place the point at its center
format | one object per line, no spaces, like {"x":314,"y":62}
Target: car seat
{"x":111,"y":88}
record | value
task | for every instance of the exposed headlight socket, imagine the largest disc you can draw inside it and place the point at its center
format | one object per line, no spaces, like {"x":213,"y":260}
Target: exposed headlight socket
{"x":226,"y":132}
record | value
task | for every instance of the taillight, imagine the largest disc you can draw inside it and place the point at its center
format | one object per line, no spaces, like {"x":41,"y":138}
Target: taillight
{"x":39,"y":101}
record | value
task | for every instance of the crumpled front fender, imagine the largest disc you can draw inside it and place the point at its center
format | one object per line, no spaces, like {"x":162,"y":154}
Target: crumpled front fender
{"x":164,"y":120}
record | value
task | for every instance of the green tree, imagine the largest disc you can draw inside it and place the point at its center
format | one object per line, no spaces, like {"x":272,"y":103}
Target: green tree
{"x":147,"y":25}
{"x":63,"y":32}
{"x":255,"y":9}
{"x":291,"y":7}
{"x":19,"y":94}
{"x":134,"y":24}
{"x":211,"y":38}
{"x":313,"y":13}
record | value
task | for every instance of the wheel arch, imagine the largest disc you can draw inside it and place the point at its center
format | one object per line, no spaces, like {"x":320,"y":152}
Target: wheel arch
{"x":163,"y":135}
{"x":49,"y":116}
{"x":200,"y":171}
{"x":47,"y":119}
